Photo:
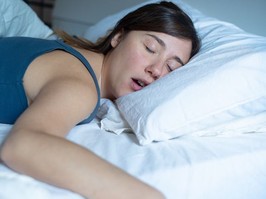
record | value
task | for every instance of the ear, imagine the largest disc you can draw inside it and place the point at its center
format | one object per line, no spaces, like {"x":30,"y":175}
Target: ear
{"x":116,"y":39}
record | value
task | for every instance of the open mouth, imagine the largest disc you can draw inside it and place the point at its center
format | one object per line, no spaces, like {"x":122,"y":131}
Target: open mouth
{"x":138,"y":84}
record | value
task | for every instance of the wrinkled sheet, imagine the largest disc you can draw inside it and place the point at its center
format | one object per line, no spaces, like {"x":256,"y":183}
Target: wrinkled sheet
{"x":189,"y":167}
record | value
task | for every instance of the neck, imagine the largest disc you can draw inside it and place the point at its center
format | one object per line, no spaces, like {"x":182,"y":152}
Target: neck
{"x":103,"y":80}
{"x":97,"y":61}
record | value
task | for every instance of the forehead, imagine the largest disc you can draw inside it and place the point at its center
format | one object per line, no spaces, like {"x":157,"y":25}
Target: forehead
{"x":161,"y":38}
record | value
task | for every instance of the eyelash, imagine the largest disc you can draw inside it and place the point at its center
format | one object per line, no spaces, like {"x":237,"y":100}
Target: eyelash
{"x":169,"y":68}
{"x":149,"y":50}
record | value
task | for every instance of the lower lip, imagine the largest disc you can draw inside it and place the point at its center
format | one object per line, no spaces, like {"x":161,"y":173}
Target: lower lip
{"x":135,"y":86}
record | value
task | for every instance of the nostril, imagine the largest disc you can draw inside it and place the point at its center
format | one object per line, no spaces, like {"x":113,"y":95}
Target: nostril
{"x":156,"y":74}
{"x":155,"y":71}
{"x":156,"y":77}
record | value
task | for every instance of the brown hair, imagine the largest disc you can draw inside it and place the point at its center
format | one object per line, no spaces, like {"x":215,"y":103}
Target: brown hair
{"x":164,"y":17}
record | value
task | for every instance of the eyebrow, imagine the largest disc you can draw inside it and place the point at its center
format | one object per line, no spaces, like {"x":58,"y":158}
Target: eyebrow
{"x":161,"y":42}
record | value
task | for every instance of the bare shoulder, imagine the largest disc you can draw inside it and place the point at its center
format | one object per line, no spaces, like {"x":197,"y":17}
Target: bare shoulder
{"x":53,"y":65}
{"x":59,"y":106}
{"x":61,"y":91}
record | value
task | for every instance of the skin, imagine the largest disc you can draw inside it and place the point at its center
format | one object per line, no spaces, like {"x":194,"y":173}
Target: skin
{"x":58,"y":85}
{"x":146,"y":56}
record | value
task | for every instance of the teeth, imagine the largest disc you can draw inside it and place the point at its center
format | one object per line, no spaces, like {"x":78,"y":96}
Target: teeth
{"x":141,"y":83}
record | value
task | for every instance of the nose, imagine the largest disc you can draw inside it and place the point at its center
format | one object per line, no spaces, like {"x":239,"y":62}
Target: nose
{"x":155,"y":70}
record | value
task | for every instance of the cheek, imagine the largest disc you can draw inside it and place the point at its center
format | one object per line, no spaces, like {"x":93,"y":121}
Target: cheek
{"x":136,"y":59}
{"x":130,"y":56}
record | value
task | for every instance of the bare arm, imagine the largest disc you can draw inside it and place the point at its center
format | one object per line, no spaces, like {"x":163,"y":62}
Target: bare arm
{"x":36,"y":147}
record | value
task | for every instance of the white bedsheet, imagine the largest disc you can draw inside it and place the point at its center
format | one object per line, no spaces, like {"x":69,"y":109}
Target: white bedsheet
{"x":184,"y":168}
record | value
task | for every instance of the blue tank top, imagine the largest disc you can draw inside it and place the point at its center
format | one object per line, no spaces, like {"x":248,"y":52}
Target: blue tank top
{"x":16,"y":53}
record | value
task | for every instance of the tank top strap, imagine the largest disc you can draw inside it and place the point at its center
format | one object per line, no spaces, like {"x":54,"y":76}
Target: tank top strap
{"x":78,"y":55}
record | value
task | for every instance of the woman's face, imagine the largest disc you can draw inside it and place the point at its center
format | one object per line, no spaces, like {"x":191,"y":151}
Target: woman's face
{"x":140,"y":58}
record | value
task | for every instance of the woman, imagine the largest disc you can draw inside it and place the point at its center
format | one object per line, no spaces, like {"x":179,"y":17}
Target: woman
{"x":51,"y":91}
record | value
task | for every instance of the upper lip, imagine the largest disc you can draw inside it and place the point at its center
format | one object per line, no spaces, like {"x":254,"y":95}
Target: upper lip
{"x":142,"y":81}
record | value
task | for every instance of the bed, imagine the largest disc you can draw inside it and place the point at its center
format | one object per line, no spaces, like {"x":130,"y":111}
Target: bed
{"x":201,"y":137}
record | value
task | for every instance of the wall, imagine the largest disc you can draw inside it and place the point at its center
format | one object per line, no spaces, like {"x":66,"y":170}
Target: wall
{"x":249,"y":15}
{"x":75,"y":19}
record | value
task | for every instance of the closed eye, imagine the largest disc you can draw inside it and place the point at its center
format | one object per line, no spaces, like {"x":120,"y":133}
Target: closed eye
{"x":172,"y":64}
{"x":149,"y":50}
{"x":169,"y":68}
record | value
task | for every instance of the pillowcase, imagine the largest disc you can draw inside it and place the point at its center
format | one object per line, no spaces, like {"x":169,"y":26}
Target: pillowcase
{"x":18,"y":19}
{"x":223,"y":84}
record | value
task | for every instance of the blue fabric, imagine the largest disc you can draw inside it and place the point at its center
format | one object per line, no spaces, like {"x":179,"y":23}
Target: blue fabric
{"x":16,"y":53}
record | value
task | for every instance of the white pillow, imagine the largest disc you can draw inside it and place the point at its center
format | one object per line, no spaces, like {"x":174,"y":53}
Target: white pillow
{"x":18,"y":19}
{"x":224,"y":83}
